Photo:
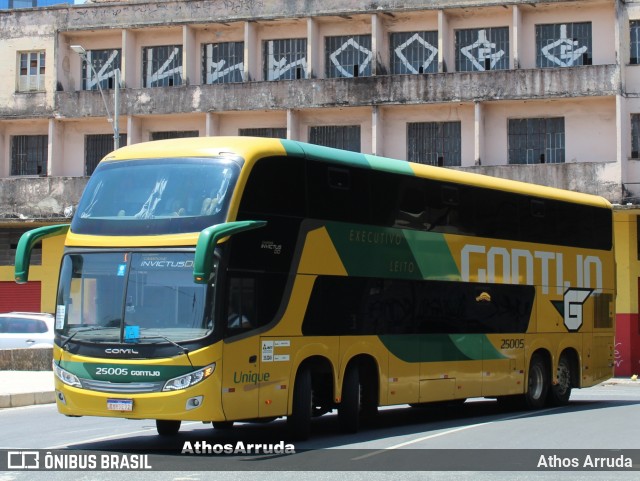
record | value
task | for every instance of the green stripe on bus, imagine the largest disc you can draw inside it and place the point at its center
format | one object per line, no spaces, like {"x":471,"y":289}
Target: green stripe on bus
{"x":125,"y":372}
{"x":440,"y":347}
{"x":371,"y":251}
{"x":389,"y":165}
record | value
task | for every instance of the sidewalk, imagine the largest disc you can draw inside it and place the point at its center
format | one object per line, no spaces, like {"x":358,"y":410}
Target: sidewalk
{"x":26,"y":388}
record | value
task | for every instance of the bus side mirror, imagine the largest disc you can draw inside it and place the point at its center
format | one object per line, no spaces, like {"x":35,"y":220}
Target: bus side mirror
{"x":26,"y":243}
{"x":207,"y":241}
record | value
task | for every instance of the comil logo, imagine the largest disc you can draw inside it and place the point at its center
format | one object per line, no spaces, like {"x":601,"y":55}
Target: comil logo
{"x":23,"y":460}
{"x":571,"y":308}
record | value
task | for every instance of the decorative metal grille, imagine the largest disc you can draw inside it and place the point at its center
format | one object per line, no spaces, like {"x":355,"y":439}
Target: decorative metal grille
{"x":285,"y":59}
{"x":29,"y":154}
{"x":346,"y":137}
{"x":348,"y":56}
{"x":482,"y":49}
{"x":162,"y":66}
{"x":414,"y":52}
{"x":536,"y":141}
{"x":223,"y":62}
{"x":563,"y":45}
{"x":96,"y":147}
{"x":434,"y":143}
{"x":274,"y":133}
{"x":105,"y":63}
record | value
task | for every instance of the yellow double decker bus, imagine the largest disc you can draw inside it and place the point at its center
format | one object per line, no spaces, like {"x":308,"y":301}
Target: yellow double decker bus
{"x":234,"y":279}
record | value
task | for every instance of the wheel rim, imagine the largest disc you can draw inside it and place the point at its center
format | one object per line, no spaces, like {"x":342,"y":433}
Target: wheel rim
{"x":563,"y":378}
{"x":536,"y":382}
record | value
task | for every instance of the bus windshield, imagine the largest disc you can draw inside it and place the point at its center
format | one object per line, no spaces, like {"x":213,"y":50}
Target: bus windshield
{"x":131,"y":297}
{"x":156,"y":196}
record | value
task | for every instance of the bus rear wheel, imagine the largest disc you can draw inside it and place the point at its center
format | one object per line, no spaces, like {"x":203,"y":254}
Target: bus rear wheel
{"x":537,"y":383}
{"x":349,"y":407}
{"x":299,"y":421}
{"x":167,"y":428}
{"x":560,"y":393}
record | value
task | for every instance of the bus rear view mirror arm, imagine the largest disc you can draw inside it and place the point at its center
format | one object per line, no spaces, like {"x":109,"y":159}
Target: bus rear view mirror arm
{"x":25,"y":245}
{"x":207,"y":241}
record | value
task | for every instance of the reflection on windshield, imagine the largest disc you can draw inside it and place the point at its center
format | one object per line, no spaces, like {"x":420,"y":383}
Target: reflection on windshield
{"x":144,"y":197}
{"x":131,"y":297}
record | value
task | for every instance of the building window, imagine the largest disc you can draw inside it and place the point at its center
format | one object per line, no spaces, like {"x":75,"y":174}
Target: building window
{"x":274,"y":133}
{"x":346,"y":137}
{"x":223,"y":62}
{"x":174,"y":134}
{"x":285,"y":59}
{"x":635,"y":136}
{"x":105,"y":63}
{"x":563,"y":44}
{"x":162,"y":66}
{"x":348,"y":56}
{"x":414,"y":52}
{"x":29,"y":154}
{"x":536,"y":141}
{"x":482,"y":49}
{"x":434,"y":143}
{"x":96,"y":147}
{"x":31,"y":71}
{"x":634,"y":27}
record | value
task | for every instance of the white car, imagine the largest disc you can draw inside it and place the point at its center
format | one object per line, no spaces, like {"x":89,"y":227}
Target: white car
{"x":26,"y":329}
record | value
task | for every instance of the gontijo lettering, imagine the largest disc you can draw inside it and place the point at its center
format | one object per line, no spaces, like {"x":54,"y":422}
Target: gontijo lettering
{"x":514,"y":265}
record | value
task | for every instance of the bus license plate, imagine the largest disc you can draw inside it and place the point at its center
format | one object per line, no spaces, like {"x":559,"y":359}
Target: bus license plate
{"x":120,"y":404}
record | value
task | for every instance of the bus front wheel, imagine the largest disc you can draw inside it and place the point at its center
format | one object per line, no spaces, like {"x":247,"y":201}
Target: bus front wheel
{"x":167,"y":428}
{"x":299,"y":421}
{"x":537,"y":383}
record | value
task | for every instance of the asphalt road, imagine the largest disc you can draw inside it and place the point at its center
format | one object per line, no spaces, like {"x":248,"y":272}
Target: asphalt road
{"x":430,"y":443}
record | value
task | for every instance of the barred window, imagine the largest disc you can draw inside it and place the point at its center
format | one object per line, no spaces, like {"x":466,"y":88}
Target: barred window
{"x":162,"y":66}
{"x":31,"y":70}
{"x":434,"y":143}
{"x":414,"y":52}
{"x":482,"y":49}
{"x":563,"y":45}
{"x":346,"y":137}
{"x":285,"y":59}
{"x":274,"y":133}
{"x":96,"y":147}
{"x":348,"y":56}
{"x":29,"y":154}
{"x":223,"y":62}
{"x":634,"y":27}
{"x":174,"y":134}
{"x":536,"y":141}
{"x":104,"y":63}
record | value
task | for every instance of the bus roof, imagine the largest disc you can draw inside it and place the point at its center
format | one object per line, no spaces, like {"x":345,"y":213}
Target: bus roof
{"x":254,"y":148}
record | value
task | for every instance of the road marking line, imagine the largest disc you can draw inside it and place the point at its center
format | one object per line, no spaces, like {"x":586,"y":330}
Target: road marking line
{"x":451,"y":431}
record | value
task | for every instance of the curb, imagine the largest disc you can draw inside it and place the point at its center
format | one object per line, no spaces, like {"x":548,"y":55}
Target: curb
{"x":26,"y":399}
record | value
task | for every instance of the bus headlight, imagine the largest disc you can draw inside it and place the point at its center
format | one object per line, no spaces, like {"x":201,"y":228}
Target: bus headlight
{"x":65,"y":376}
{"x":190,"y":379}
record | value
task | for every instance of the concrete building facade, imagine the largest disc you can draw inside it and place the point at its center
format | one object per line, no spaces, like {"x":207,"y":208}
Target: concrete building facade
{"x":545,"y":92}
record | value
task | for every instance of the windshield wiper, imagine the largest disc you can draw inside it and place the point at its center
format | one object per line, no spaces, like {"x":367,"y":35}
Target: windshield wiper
{"x":183,"y":349}
{"x":95,"y":328}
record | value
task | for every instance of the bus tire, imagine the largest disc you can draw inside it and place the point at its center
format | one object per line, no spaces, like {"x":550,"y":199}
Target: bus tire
{"x":349,"y":407}
{"x":537,"y":383}
{"x":167,"y":428}
{"x":560,"y":393}
{"x":299,"y":421}
{"x":222,"y":425}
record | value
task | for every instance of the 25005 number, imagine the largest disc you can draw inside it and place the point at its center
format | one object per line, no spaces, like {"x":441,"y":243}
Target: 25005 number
{"x":112,"y":371}
{"x":512,"y":344}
